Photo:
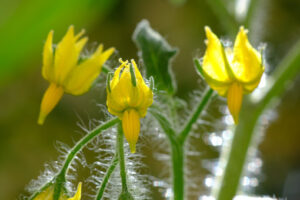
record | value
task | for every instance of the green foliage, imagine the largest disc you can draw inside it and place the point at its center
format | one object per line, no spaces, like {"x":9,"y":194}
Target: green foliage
{"x":157,"y":55}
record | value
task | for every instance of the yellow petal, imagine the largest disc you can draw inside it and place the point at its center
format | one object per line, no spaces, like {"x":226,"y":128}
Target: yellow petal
{"x":114,"y":104}
{"x":51,"y":97}
{"x":77,"y":196}
{"x":246,"y":64}
{"x":66,"y":55}
{"x":82,"y":77}
{"x":47,"y":194}
{"x":116,"y":76}
{"x":124,"y":94}
{"x":234,"y":100}
{"x":47,"y":68}
{"x":131,"y":127}
{"x":213,"y":61}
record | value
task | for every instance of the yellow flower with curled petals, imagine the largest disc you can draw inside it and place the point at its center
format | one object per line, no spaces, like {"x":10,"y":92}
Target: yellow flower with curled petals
{"x":48,"y":193}
{"x":232,"y":72}
{"x":128,"y":97}
{"x":65,"y":73}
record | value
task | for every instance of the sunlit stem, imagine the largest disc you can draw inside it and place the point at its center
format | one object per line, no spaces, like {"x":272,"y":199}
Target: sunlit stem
{"x":228,"y":184}
{"x":108,"y":173}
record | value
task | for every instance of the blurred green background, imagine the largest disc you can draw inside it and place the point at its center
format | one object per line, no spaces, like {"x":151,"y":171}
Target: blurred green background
{"x":24,"y":25}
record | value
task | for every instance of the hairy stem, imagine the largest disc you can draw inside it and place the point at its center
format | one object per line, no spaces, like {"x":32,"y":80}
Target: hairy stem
{"x":61,"y":177}
{"x":109,"y":171}
{"x":177,"y":142}
{"x":178,"y":170}
{"x":120,"y":147}
{"x":193,"y":118}
{"x":125,"y":195}
{"x":286,"y":71}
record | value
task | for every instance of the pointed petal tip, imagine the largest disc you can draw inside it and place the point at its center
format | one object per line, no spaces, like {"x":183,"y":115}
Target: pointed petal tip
{"x":243,"y":31}
{"x":236,"y":119}
{"x":210,"y":35}
{"x":132,"y":148}
{"x":70,"y":31}
{"x":207,"y":29}
{"x":41,"y":119}
{"x":51,"y":33}
{"x":71,"y":27}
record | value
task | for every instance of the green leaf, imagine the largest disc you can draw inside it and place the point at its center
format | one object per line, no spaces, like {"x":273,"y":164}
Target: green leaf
{"x":157,"y":55}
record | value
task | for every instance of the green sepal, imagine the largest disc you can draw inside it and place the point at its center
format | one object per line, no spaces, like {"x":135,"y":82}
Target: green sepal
{"x":108,"y":79}
{"x":151,"y":83}
{"x":132,"y":74}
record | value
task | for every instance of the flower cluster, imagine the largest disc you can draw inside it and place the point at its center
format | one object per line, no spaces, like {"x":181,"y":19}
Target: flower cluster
{"x":232,"y":72}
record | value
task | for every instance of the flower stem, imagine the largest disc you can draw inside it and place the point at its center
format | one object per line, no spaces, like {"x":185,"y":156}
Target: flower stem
{"x":177,"y":142}
{"x":227,"y":19}
{"x":109,"y":171}
{"x":61,"y":177}
{"x":228,"y":184}
{"x":193,"y":118}
{"x":120,"y":146}
{"x":178,"y":170}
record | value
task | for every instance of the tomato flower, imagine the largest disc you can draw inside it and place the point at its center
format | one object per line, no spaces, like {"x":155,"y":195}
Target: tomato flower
{"x":65,"y":73}
{"x":128,"y":97}
{"x":232,"y":72}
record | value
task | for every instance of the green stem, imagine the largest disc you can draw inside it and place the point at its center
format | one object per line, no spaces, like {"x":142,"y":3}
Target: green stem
{"x":250,"y":13}
{"x":165,"y":124}
{"x":178,"y":170}
{"x":193,"y":118}
{"x":177,"y":142}
{"x":61,"y":177}
{"x":109,"y":171}
{"x":120,"y":145}
{"x":226,"y":19}
{"x":286,"y":71}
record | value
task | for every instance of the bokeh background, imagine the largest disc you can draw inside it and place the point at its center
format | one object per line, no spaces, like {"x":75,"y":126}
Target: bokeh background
{"x":24,"y":25}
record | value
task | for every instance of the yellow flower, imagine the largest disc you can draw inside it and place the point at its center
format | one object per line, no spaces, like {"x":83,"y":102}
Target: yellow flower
{"x":128,"y":97}
{"x":65,"y":73}
{"x":232,"y":72}
{"x":47,"y":194}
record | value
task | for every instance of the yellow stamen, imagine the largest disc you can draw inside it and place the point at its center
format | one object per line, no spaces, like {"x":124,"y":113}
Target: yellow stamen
{"x":131,"y":127}
{"x":51,"y":97}
{"x":234,"y":100}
